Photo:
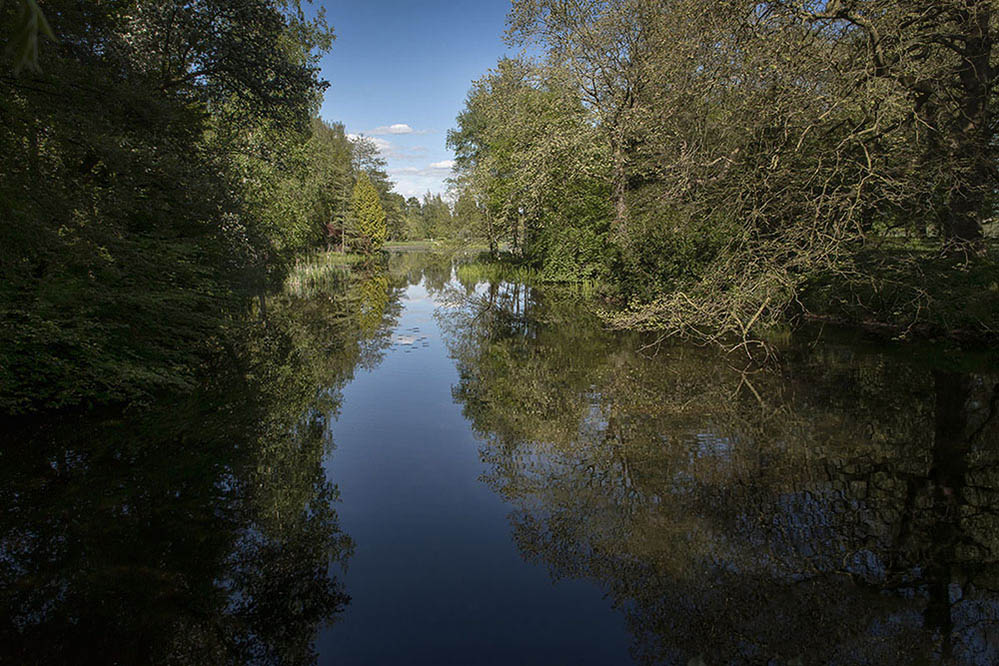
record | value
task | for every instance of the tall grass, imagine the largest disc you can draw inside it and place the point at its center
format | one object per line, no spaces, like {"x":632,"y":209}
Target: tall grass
{"x":318,"y":272}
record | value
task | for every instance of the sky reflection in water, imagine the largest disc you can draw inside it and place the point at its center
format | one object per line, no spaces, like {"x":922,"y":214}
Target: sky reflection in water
{"x":493,"y":477}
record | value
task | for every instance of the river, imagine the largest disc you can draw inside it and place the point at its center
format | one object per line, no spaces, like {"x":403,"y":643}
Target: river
{"x":411,"y":466}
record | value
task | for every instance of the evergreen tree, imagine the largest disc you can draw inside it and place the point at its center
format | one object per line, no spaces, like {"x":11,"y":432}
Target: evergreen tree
{"x":369,"y":216}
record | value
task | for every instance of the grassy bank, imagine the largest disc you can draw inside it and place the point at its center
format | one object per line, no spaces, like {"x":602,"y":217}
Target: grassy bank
{"x":486,"y":270}
{"x":317,"y":270}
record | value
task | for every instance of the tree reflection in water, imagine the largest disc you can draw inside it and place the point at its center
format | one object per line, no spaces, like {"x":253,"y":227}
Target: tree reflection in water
{"x":202,"y":529}
{"x":840,"y":507}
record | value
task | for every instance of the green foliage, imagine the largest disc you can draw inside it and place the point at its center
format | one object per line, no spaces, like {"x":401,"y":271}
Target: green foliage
{"x":905,"y":292}
{"x":314,"y":273}
{"x":527,"y":158}
{"x":435,"y":219}
{"x":666,"y":249}
{"x":496,"y":272}
{"x":368,"y":216}
{"x":712,"y":162}
{"x":163,"y":167}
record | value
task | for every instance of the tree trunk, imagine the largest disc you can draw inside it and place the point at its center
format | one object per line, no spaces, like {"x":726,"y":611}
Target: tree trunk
{"x":964,"y":220}
{"x":515,"y":234}
{"x":262,"y":299}
{"x":972,"y":132}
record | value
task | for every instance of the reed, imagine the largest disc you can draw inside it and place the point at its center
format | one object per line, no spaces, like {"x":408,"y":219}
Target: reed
{"x":318,"y":272}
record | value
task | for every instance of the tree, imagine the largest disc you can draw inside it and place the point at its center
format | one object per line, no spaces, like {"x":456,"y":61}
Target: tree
{"x":368,"y":216}
{"x":435,"y":217}
{"x":395,"y":214}
{"x":469,"y":219}
{"x":147,"y":190}
{"x":367,"y":158}
{"x":939,"y":56}
{"x":413,"y":224}
{"x":598,"y":44}
{"x":526,"y":148}
{"x":326,"y":183}
{"x":751,"y":153}
{"x":31,"y":26}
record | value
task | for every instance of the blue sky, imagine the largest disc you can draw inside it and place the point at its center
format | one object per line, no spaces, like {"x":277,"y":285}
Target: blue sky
{"x":399,"y":72}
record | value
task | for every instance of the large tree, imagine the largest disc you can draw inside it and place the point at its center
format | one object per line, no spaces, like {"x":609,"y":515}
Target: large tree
{"x":142,"y":189}
{"x":938,"y":60}
{"x":370,"y":231}
{"x":525,"y":147}
{"x":599,"y":45}
{"x":755,"y":154}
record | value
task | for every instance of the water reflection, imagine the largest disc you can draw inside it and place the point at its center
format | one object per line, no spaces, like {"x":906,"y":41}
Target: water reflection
{"x":838,"y":508}
{"x":201,"y":530}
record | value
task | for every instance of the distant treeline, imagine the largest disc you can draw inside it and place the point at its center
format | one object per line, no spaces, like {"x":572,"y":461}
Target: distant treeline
{"x":724,"y":167}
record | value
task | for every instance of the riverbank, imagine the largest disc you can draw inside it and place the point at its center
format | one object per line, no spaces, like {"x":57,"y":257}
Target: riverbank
{"x":892,"y":293}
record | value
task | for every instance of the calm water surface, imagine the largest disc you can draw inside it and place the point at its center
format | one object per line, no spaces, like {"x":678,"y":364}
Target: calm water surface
{"x":435,"y":577}
{"x":409,"y":466}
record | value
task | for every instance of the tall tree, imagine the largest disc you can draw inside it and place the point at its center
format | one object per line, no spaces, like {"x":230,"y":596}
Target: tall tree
{"x":939,"y":56}
{"x":526,"y":147}
{"x":598,"y":44}
{"x":469,"y":219}
{"x":757,"y":152}
{"x":435,"y":217}
{"x":368,"y":216}
{"x":132,"y":223}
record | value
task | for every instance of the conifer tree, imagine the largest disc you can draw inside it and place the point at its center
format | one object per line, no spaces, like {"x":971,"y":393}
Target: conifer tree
{"x":369,"y":216}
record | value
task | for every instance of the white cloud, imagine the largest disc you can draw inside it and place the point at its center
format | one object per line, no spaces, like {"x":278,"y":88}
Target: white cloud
{"x":410,"y":154}
{"x":381,"y":144}
{"x":398,"y":128}
{"x":410,"y":180}
{"x":389,"y":150}
{"x":415,"y":181}
{"x":434,"y":169}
